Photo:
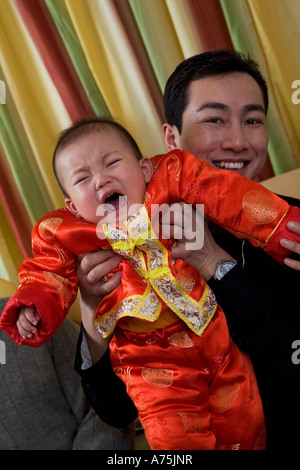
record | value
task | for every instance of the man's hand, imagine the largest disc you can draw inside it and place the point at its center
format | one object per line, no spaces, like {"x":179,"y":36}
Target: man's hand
{"x":186,"y":227}
{"x":292,"y":246}
{"x":93,"y":270}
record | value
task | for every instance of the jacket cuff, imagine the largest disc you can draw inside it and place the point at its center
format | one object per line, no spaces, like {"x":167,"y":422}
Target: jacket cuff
{"x":46,"y":304}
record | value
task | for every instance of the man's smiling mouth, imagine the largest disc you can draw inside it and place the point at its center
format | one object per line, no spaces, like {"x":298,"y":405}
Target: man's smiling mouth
{"x":230,"y":165}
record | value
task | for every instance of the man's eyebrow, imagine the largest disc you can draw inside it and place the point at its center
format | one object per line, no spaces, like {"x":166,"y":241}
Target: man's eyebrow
{"x":254,"y":107}
{"x":213,"y":105}
{"x":224,"y":107}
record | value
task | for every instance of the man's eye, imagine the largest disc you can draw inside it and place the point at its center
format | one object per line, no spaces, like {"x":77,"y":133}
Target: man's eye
{"x":213,"y":120}
{"x":253,"y":121}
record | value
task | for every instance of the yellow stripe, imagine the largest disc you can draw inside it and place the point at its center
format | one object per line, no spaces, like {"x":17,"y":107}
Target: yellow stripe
{"x":186,"y":31}
{"x":271,"y":17}
{"x":10,"y":256}
{"x":40,"y":108}
{"x":274,"y":230}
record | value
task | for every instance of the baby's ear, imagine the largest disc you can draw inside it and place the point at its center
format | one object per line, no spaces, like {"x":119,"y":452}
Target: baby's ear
{"x":147,"y":168}
{"x":72,"y":208}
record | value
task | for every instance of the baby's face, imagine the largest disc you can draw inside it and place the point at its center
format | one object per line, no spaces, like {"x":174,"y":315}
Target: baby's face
{"x":102,"y":176}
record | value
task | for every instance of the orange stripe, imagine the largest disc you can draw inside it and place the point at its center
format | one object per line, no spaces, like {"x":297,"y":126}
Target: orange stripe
{"x":210,"y":23}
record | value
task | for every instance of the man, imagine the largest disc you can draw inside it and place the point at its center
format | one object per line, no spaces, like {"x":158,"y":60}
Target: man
{"x":216,"y":105}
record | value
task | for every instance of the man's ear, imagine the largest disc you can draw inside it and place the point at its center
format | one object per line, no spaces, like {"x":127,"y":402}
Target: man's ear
{"x":72,"y":208}
{"x":171,"y":136}
{"x":147,"y":168}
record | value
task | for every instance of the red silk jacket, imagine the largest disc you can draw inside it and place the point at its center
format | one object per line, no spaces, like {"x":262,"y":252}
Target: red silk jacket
{"x":151,"y":282}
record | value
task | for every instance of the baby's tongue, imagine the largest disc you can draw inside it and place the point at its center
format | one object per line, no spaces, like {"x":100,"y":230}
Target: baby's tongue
{"x":115,"y":208}
{"x":114,"y":200}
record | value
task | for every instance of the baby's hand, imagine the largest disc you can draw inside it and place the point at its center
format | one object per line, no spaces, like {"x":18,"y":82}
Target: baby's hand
{"x":27,"y":322}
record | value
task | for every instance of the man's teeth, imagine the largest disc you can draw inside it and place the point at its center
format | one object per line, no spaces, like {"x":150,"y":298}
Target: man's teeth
{"x":230,"y":165}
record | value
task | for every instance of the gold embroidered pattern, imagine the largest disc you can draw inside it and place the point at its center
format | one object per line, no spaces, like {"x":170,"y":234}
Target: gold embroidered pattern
{"x":146,"y":307}
{"x":259,"y":207}
{"x":158,"y":429}
{"x":26,"y":278}
{"x":61,"y":254}
{"x":157,"y":377}
{"x":48,"y":227}
{"x":147,"y":198}
{"x":186,"y":282}
{"x":193,"y":188}
{"x":224,"y":397}
{"x":235,"y":446}
{"x":160,"y":178}
{"x":61,"y":284}
{"x":191,"y":423}
{"x":126,"y":374}
{"x":171,"y":160}
{"x":181,"y":340}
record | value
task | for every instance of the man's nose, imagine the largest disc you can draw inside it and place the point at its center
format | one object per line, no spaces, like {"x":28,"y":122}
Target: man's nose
{"x":234,"y":138}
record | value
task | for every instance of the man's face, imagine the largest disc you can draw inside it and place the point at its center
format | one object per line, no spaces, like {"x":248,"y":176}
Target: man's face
{"x":224,"y":124}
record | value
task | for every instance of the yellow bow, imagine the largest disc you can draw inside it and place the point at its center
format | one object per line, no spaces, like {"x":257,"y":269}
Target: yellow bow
{"x":130,"y":245}
{"x":154,"y":273}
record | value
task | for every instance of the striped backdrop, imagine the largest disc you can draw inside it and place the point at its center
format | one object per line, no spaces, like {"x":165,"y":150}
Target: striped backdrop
{"x":62,"y":60}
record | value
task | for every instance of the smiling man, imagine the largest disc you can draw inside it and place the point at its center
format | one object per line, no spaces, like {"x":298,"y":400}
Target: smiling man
{"x":216,"y":105}
{"x":223,"y":119}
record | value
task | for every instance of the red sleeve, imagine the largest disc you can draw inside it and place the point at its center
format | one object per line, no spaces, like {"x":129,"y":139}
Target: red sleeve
{"x":243,"y":207}
{"x":52,"y":315}
{"x":48,"y":282}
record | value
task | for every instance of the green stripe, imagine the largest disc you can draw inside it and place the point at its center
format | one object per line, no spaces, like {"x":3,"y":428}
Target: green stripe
{"x":153,"y":44}
{"x":66,"y":30}
{"x":20,"y":167}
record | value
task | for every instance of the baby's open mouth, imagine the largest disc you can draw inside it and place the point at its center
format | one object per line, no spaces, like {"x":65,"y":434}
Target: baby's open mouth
{"x":115,"y":202}
{"x":112,"y":209}
{"x":113,"y":198}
